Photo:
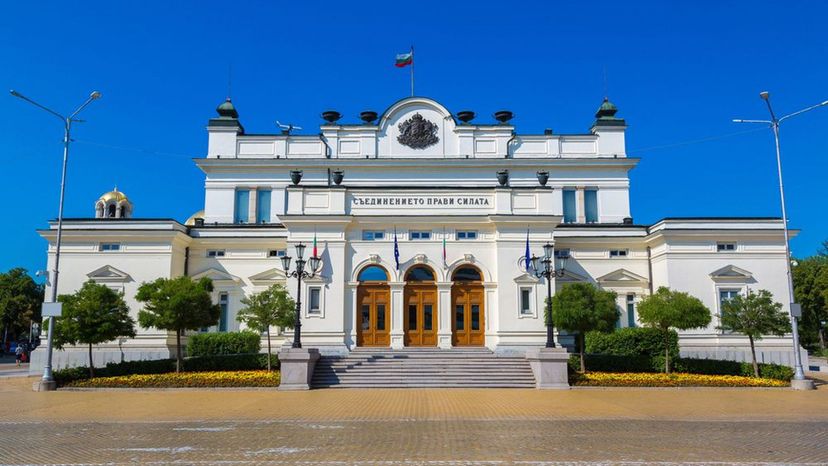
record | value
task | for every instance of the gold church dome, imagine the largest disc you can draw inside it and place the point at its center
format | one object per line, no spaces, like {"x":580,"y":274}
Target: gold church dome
{"x":114,"y":195}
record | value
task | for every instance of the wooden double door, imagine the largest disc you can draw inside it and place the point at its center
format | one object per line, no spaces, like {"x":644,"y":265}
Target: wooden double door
{"x":420,"y":314}
{"x":373,"y":315}
{"x":467,"y":320}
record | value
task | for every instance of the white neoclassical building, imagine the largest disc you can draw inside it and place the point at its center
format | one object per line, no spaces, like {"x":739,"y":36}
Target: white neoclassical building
{"x":459,"y":197}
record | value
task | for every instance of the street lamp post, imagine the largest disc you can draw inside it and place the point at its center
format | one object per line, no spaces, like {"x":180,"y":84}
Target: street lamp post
{"x":543,"y":268}
{"x":299,"y":273}
{"x":48,"y":380}
{"x":774,"y":122}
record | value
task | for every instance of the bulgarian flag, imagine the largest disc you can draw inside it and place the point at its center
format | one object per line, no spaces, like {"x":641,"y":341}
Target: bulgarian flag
{"x":314,"y":244}
{"x":405,"y":59}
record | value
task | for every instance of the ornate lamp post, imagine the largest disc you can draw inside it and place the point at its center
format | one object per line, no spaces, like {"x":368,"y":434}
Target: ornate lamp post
{"x":299,"y":273}
{"x":543,"y":269}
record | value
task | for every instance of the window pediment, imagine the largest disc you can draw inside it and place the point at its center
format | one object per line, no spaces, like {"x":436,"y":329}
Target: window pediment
{"x":108,"y":273}
{"x":217,"y":276}
{"x":268,"y":277}
{"x":622,"y":277}
{"x":731,"y":273}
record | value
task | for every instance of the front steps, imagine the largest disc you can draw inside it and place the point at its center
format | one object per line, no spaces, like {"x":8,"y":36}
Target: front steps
{"x":423,"y":368}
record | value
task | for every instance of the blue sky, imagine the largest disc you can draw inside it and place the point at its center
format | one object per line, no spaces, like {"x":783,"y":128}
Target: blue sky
{"x":678,"y":73}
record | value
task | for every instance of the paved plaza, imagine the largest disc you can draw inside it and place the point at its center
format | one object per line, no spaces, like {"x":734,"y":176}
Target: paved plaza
{"x":416,"y":426}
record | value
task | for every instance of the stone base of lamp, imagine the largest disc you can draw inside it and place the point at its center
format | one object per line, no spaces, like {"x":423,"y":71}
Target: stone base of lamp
{"x":550,"y":366}
{"x":804,"y":384}
{"x":296,"y":367}
{"x":44,"y":386}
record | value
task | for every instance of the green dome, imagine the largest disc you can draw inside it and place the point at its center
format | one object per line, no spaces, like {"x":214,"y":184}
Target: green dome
{"x":227,"y":110}
{"x":607,"y":110}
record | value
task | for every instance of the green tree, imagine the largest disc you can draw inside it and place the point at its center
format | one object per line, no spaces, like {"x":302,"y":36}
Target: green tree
{"x":810,"y":277}
{"x":177,"y":304}
{"x":271,"y":307}
{"x":755,"y":315}
{"x":666,"y":309}
{"x":92,"y":315}
{"x":20,"y":299}
{"x":581,"y":307}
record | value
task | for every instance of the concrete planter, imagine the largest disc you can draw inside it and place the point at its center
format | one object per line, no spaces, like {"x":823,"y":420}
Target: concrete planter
{"x":550,"y":368}
{"x":297,"y":365}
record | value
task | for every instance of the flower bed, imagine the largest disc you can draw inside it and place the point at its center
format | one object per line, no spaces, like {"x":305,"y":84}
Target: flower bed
{"x":184,"y":379}
{"x":616,"y":379}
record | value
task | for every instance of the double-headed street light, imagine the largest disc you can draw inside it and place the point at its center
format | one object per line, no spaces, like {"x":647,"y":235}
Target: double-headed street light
{"x":48,"y":380}
{"x":774,"y":123}
{"x":543,"y":268}
{"x":299,"y":273}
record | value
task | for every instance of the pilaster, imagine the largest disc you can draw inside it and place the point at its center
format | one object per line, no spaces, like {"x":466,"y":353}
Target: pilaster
{"x":397,"y":309}
{"x":444,"y":315}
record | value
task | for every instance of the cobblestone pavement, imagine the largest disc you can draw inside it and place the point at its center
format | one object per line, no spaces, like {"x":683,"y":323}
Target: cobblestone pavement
{"x":410,"y":427}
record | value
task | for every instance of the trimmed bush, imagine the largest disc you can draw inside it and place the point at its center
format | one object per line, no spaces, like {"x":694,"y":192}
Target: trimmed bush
{"x":230,"y":362}
{"x":632,"y":341}
{"x":217,"y":343}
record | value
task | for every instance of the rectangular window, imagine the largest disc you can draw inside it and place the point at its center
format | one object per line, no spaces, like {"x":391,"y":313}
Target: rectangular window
{"x":420,"y":235}
{"x":725,"y":247}
{"x":466,"y":234}
{"x":569,"y":206}
{"x":372,"y":235}
{"x":263,"y":206}
{"x":725,"y":296}
{"x":428,"y":316}
{"x":109,"y":247}
{"x":631,"y":310}
{"x":562,"y":253}
{"x":241,"y":211}
{"x":412,"y":317}
{"x":215,"y":253}
{"x":618,"y":253}
{"x":459,"y":317}
{"x":314,"y":306}
{"x":277,"y":253}
{"x":591,"y":205}
{"x":380,"y":316}
{"x":525,"y":301}
{"x":224,"y":300}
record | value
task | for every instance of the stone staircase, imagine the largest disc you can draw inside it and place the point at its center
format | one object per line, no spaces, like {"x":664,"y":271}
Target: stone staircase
{"x":423,"y":367}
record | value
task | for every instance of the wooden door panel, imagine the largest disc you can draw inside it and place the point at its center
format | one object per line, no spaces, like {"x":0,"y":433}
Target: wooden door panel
{"x":468,"y":315}
{"x":420,"y":315}
{"x":373,"y":315}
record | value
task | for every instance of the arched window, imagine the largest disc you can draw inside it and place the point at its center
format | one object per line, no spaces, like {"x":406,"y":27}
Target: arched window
{"x":372,"y":273}
{"x":467,"y":274}
{"x":111,"y":211}
{"x":419,"y":274}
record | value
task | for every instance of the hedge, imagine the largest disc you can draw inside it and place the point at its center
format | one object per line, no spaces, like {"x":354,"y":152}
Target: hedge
{"x":218,"y":343}
{"x":613,"y":363}
{"x":232,"y":362}
{"x":632,"y":341}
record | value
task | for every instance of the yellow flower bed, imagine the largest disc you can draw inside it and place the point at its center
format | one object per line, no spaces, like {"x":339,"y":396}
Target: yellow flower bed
{"x":184,"y":379}
{"x":617,"y":379}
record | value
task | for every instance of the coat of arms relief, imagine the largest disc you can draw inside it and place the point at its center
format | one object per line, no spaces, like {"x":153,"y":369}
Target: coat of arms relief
{"x":417,"y":132}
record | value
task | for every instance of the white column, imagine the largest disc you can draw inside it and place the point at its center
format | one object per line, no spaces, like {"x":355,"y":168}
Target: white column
{"x":251,"y":206}
{"x":397,"y":309}
{"x":444,"y":312}
{"x":580,"y":213}
{"x":351,"y":335}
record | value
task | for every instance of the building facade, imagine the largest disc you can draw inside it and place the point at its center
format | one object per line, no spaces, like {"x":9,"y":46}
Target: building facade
{"x":421,"y":219}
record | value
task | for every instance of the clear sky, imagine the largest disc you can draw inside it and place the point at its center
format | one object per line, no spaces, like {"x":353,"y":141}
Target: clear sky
{"x":677,"y":72}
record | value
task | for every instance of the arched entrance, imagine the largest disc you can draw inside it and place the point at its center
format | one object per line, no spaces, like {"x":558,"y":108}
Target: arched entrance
{"x":467,"y":300}
{"x":373,"y":306}
{"x":420,"y":307}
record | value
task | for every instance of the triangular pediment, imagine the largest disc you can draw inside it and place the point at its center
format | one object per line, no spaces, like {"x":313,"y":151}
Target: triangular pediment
{"x":216,"y":275}
{"x":108,"y":273}
{"x":731,"y":272}
{"x":570,"y":276}
{"x":622,"y":276}
{"x":268,"y":277}
{"x":527,"y":279}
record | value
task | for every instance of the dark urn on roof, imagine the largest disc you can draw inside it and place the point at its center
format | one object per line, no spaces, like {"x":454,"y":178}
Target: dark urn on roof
{"x":465,"y":116}
{"x":503,"y":116}
{"x":296,"y":176}
{"x":543,"y":177}
{"x":227,"y":109}
{"x":368,"y":116}
{"x":331,"y":116}
{"x":338,"y":175}
{"x":503,"y":177}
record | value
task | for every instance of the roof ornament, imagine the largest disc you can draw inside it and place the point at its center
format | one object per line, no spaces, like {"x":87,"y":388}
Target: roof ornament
{"x":417,"y":132}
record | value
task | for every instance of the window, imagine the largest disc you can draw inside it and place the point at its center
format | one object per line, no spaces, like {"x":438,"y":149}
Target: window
{"x":591,"y":205}
{"x":467,"y":274}
{"x":109,"y":247}
{"x":314,"y":301}
{"x":372,"y":235}
{"x":277,"y":253}
{"x":525,"y":301}
{"x":569,"y":206}
{"x":419,"y":274}
{"x":263,"y":206}
{"x":421,"y":235}
{"x":562,"y":253}
{"x":372,"y":273}
{"x":631,"y":310}
{"x":242,"y":205}
{"x":725,"y":296}
{"x":215,"y":253}
{"x":618,"y":253}
{"x":725,"y":247}
{"x":223,"y":304}
{"x":466,"y":234}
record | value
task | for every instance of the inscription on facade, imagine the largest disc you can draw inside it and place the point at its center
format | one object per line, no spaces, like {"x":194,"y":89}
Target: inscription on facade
{"x":421,"y":201}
